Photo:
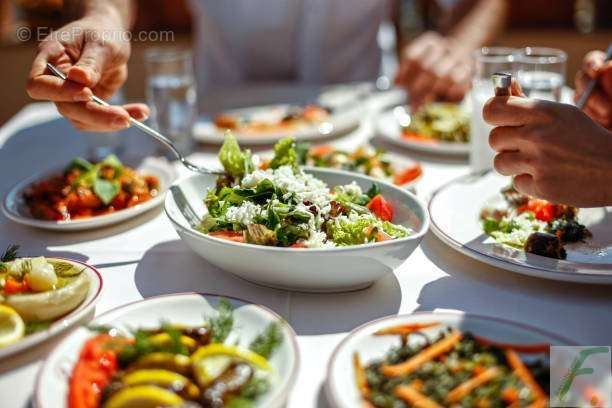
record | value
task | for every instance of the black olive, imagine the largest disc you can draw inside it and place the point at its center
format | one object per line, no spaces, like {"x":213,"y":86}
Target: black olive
{"x":544,"y":244}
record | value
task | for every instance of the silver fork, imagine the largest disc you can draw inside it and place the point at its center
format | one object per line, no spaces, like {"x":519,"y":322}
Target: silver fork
{"x":150,"y":131}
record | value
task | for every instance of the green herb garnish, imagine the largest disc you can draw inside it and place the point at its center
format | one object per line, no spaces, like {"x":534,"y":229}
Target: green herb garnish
{"x":267,"y":341}
{"x":222,"y":325}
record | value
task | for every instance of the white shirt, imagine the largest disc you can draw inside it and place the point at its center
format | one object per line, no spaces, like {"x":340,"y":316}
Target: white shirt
{"x":303,"y":41}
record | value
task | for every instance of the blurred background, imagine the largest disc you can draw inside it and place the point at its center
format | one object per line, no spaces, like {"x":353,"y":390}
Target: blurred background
{"x":576,"y":26}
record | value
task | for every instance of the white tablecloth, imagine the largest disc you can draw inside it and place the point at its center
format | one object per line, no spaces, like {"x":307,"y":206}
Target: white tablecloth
{"x":144,"y":257}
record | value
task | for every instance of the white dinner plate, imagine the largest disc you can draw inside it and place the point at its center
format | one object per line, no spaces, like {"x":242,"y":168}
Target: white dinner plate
{"x":389,"y":128}
{"x":336,"y":124}
{"x":185,"y":308}
{"x":71,"y":319}
{"x":340,"y":385}
{"x":15,"y":208}
{"x":455,"y":210}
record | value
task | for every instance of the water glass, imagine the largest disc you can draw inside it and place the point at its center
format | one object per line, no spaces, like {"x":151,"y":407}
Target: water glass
{"x":171,"y":94}
{"x":101,"y":144}
{"x":541,"y":72}
{"x":488,"y":60}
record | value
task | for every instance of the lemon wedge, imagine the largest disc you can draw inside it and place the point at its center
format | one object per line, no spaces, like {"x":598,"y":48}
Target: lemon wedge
{"x":219,"y":349}
{"x":144,"y":396}
{"x":12,"y":327}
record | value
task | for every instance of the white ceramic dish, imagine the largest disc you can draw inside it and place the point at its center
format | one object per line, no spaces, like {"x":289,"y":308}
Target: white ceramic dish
{"x":15,"y":208}
{"x":312,"y":270}
{"x":340,"y":384}
{"x":455,"y":209}
{"x":388,"y":127}
{"x":188,"y":308}
{"x":336,"y":124}
{"x":65,"y":323}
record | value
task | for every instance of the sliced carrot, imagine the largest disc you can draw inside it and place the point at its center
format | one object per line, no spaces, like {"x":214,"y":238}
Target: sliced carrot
{"x":408,"y":174}
{"x":427,"y":354}
{"x":360,"y":377}
{"x":234,"y":236}
{"x":403,"y":329}
{"x":322,"y":150}
{"x":523,"y":373}
{"x":13,"y":286}
{"x":408,"y":135}
{"x":535,"y":348}
{"x":414,"y":398}
{"x":465,"y":388}
{"x":510,"y":395}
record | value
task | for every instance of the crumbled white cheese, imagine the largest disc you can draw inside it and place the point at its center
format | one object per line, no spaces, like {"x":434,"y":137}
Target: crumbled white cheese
{"x":244,"y":213}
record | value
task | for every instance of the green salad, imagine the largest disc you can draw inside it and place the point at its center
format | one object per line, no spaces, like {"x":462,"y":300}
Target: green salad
{"x":282,"y":205}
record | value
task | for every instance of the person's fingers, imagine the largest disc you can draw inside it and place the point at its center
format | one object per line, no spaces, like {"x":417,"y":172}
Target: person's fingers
{"x":506,"y":138}
{"x":94,"y":57}
{"x":515,"y":88}
{"x":516,"y":111}
{"x":524,"y":183}
{"x":48,"y":51}
{"x":512,"y":163}
{"x":605,"y":121}
{"x":138,"y":111}
{"x":412,"y":59}
{"x":421,"y":88}
{"x":592,"y":62}
{"x":94,"y":115}
{"x":51,"y":88}
{"x":111,"y":81}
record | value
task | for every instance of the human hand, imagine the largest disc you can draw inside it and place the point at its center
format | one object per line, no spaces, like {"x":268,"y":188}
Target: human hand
{"x":553,"y":150}
{"x":93,"y":56}
{"x":599,"y":104}
{"x":434,"y":68}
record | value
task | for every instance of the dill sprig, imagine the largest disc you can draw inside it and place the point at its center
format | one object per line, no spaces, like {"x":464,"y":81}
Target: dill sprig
{"x":10,"y":254}
{"x":267,"y":341}
{"x":222,"y":324}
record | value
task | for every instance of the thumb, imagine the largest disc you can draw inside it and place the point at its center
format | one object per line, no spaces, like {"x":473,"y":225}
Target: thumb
{"x":88,"y":69}
{"x":515,"y":89}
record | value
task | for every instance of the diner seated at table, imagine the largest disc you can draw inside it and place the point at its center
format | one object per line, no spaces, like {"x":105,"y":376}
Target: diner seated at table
{"x":263,"y":41}
{"x":555,"y":151}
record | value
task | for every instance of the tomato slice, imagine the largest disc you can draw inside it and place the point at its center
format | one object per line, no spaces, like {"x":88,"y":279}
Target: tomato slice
{"x":543,"y":210}
{"x":297,"y":245}
{"x":381,"y":208}
{"x":407,"y":175}
{"x":417,"y":137}
{"x":92,"y":373}
{"x":13,"y":286}
{"x":234,"y":236}
{"x":320,"y":151}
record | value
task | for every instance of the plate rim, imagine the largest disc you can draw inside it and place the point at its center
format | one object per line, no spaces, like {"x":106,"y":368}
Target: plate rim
{"x":36,"y":398}
{"x":59,"y":326}
{"x":587,"y":277}
{"x":94,"y":222}
{"x":329,"y":389}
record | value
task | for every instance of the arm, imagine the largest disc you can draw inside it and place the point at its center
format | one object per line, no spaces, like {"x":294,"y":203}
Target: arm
{"x":93,"y":55}
{"x":481,"y":25}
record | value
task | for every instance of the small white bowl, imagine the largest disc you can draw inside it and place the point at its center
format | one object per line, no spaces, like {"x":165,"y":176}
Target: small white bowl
{"x":340,"y":386}
{"x":15,"y":208}
{"x":71,"y":319}
{"x":52,"y":384}
{"x":310,"y":270}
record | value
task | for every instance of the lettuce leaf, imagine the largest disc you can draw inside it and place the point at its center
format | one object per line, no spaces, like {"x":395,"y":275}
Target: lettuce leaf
{"x":235,"y":161}
{"x":396,"y":231}
{"x":351,"y":232}
{"x":285,"y":154}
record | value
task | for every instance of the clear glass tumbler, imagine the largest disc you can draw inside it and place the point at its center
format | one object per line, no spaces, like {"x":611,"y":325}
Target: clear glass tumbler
{"x":541,"y":72}
{"x":487,"y":60}
{"x":171,"y":94}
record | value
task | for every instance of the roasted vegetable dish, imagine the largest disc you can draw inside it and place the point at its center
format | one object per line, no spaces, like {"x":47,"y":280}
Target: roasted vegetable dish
{"x":452,"y":369}
{"x":365,"y":160}
{"x":34,"y":292}
{"x":174,"y":366}
{"x":536,"y":226}
{"x":272,"y":119}
{"x":85,"y":189}
{"x":284,"y":206}
{"x":439,"y":122}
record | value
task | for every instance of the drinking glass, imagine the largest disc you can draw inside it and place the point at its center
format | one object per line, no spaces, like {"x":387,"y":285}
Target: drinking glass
{"x":488,"y":60}
{"x":101,"y":144}
{"x":171,"y":94}
{"x":541,"y":72}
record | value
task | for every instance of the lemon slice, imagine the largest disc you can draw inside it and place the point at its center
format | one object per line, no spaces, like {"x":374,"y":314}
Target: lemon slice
{"x":240,"y":353}
{"x":208,"y":369}
{"x":144,"y":396}
{"x":12,"y":327}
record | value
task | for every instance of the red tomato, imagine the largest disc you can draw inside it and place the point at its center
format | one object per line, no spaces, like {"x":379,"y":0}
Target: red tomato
{"x":407,"y":175}
{"x":92,"y":373}
{"x":320,"y":151}
{"x":12,"y":286}
{"x":381,"y":208}
{"x":543,"y":210}
{"x":298,"y":245}
{"x":234,"y":236}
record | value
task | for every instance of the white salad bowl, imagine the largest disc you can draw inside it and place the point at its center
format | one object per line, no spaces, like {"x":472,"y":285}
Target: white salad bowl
{"x":340,"y":386}
{"x":52,"y":384}
{"x":80,"y":313}
{"x":303,"y":269}
{"x":15,"y":208}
